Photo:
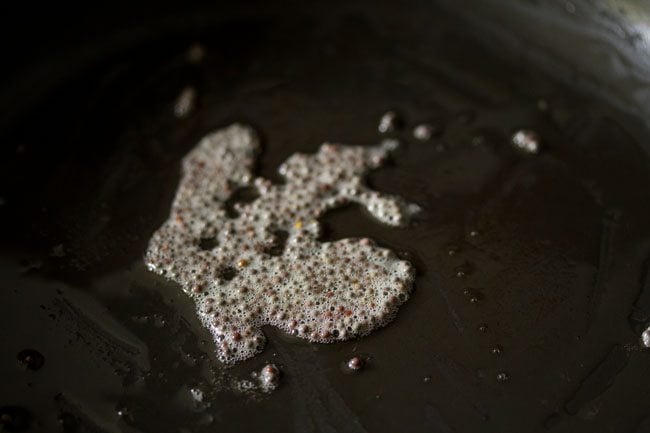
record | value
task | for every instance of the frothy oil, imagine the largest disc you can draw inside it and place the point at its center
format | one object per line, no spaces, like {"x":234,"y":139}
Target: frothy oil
{"x":265,"y":265}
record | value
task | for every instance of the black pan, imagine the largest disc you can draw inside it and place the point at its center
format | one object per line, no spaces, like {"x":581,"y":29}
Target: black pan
{"x":531,"y":293}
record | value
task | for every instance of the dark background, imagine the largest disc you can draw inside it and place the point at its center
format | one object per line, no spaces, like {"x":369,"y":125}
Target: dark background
{"x":90,"y":150}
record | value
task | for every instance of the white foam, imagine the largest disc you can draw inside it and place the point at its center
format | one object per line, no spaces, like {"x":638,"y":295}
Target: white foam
{"x":320,"y":291}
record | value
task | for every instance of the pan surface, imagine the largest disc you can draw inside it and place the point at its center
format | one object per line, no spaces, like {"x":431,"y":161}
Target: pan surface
{"x":531,"y":293}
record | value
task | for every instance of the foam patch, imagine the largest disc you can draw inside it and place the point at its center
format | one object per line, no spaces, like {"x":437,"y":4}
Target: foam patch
{"x":263,"y":264}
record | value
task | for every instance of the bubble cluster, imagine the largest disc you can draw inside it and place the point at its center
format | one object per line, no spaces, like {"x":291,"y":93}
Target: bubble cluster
{"x":264,"y":265}
{"x":268,"y":378}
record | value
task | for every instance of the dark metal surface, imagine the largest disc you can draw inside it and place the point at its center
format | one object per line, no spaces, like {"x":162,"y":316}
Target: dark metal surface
{"x":601,"y":47}
{"x":553,"y":247}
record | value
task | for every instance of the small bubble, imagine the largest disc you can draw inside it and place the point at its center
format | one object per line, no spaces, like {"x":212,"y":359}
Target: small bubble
{"x":424,"y":132}
{"x":645,"y":337}
{"x":496,"y":350}
{"x":526,"y":140}
{"x":388,"y":122}
{"x":473,"y":233}
{"x":355,"y":363}
{"x":185,"y":102}
{"x":197,"y":394}
{"x":427,"y":379}
{"x":483,"y":327}
{"x":464,"y":270}
{"x":31,"y":359}
{"x":503,"y":376}
{"x":122,"y":411}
